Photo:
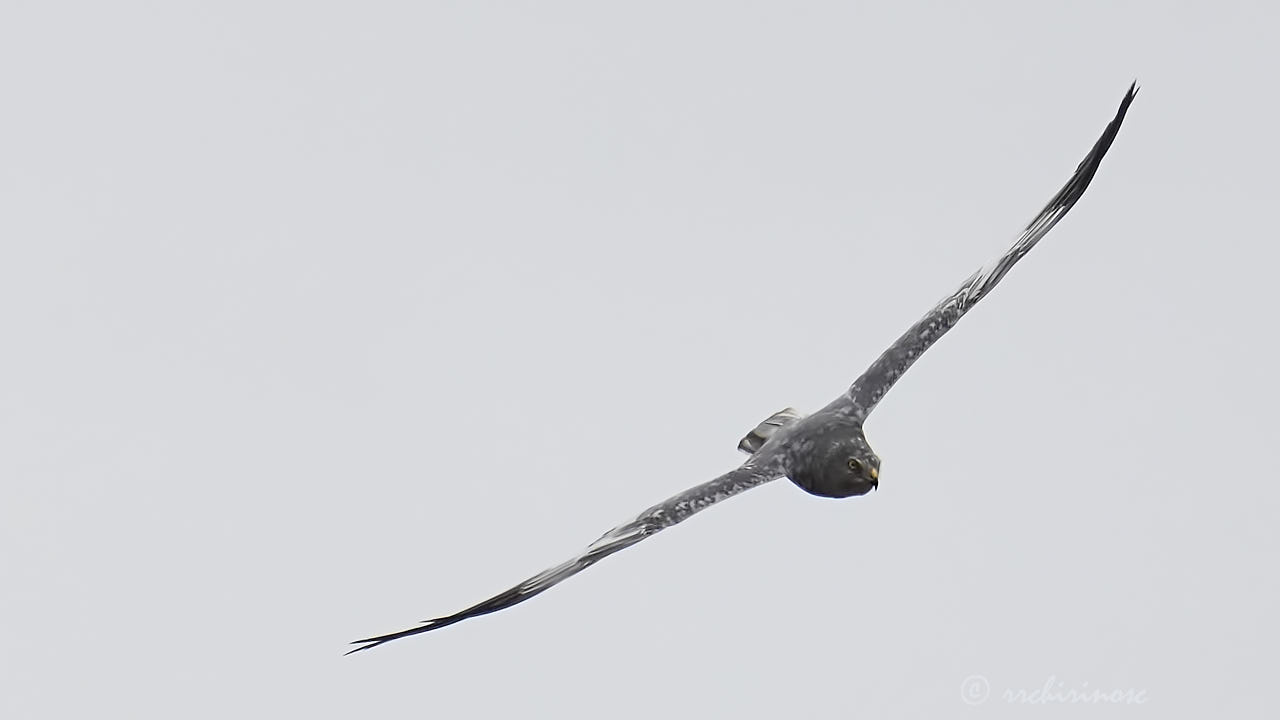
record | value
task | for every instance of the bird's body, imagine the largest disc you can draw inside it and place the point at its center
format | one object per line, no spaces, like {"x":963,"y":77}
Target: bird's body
{"x":825,"y":453}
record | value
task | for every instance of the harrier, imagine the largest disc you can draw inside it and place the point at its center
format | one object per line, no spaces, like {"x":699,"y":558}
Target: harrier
{"x":824,"y":453}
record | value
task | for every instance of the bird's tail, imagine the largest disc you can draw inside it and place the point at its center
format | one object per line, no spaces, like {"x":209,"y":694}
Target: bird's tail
{"x":756,"y":439}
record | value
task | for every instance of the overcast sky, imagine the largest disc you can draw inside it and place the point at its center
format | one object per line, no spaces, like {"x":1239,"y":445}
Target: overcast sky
{"x":322,"y":319}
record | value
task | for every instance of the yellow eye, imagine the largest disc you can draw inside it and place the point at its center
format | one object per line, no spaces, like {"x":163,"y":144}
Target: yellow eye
{"x":855,"y":465}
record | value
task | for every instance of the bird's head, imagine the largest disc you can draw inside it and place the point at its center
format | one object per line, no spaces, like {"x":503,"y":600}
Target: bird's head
{"x":838,"y":464}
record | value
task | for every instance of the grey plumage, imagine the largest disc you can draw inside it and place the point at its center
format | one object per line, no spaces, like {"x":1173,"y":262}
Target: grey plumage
{"x":885,"y":371}
{"x":756,"y":439}
{"x":825,"y":453}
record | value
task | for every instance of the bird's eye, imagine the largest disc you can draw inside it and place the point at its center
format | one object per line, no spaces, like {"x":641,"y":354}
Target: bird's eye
{"x":855,"y":465}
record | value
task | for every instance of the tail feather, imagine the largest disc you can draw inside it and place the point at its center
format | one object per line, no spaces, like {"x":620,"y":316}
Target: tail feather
{"x":754,"y":440}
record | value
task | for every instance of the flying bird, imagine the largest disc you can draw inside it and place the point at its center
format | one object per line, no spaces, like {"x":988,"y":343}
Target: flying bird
{"x":825,"y":453}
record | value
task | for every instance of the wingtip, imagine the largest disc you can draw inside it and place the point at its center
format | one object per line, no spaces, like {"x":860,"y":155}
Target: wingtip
{"x":1130,"y":94}
{"x":1113,"y":127}
{"x":365,"y":644}
{"x":425,"y":626}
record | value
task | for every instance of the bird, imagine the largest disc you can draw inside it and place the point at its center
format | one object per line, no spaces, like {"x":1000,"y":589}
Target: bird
{"x":825,"y":453}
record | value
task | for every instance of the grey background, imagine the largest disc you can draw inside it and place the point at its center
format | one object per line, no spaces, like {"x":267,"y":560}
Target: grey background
{"x":319,"y":319}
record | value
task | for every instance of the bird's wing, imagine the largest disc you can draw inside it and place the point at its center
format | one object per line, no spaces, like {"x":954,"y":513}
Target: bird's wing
{"x":756,"y":471}
{"x":867,"y":390}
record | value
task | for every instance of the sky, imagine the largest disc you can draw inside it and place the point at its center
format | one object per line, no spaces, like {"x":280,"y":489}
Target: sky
{"x":320,"y":319}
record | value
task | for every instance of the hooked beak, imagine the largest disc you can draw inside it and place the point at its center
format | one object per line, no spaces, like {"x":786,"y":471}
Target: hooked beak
{"x":875,"y":478}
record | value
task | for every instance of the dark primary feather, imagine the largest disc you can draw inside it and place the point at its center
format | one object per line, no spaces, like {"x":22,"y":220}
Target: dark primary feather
{"x":756,"y":471}
{"x":867,"y":390}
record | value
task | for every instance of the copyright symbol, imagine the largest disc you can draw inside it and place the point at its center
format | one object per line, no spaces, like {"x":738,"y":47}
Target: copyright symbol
{"x":974,"y":690}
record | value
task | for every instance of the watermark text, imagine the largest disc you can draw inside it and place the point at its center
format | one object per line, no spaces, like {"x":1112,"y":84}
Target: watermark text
{"x":976,"y":690}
